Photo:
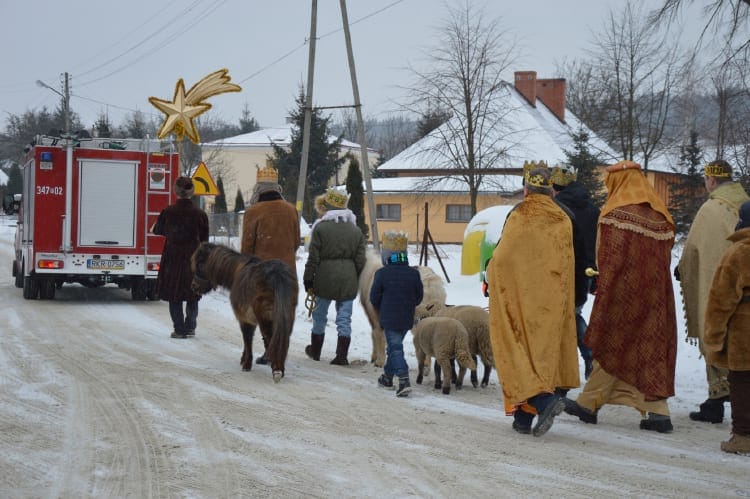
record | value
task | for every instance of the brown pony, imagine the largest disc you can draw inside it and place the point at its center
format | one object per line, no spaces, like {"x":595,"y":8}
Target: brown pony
{"x":262,"y":293}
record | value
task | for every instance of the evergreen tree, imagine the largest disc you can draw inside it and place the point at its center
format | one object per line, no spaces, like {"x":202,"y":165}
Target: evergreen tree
{"x":220,"y":203}
{"x":15,"y":180}
{"x":687,"y":195}
{"x":248,"y":124}
{"x":430,"y":120}
{"x":585,"y":163}
{"x":356,"y":193}
{"x":239,"y":202}
{"x":323,"y":159}
{"x":102,"y":127}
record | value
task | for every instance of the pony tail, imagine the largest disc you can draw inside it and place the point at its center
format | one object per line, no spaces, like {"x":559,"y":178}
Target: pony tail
{"x":285,"y":296}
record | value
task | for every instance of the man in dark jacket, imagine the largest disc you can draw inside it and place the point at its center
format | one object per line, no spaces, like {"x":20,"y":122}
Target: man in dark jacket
{"x":335,"y":259}
{"x":185,"y":226}
{"x":574,"y":196}
{"x":396,"y":291}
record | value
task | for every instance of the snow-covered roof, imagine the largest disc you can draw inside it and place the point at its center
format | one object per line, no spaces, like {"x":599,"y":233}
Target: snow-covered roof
{"x":265,"y":137}
{"x":491,"y":184}
{"x":3,"y":178}
{"x":527,"y":133}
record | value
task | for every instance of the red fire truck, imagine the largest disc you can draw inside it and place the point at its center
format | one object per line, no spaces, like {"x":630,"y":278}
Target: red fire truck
{"x":86,"y":210}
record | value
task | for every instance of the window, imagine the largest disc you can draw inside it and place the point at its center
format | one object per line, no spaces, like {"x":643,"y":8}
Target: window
{"x":388,"y":212}
{"x":458,"y":213}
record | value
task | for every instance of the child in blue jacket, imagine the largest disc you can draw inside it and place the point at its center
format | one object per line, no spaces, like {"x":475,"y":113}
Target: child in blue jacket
{"x":396,"y":291}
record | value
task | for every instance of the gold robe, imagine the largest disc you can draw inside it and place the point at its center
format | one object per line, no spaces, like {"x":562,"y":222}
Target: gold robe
{"x":532,"y":295}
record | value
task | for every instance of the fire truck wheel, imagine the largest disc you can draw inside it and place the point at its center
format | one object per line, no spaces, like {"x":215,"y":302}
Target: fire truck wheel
{"x":151,"y":292}
{"x":30,"y":288}
{"x":18,"y":274}
{"x":138,"y":289}
{"x":46,"y":289}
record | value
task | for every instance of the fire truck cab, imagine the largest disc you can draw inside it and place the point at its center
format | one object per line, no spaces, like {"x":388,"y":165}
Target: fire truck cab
{"x":86,"y":211}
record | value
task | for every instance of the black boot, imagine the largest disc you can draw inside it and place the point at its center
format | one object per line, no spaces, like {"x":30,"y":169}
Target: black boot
{"x":313,"y":350}
{"x":711,"y":411}
{"x":342,"y":349}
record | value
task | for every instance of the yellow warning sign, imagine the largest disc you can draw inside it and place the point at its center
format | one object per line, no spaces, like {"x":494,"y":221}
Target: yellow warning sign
{"x":204,"y":184}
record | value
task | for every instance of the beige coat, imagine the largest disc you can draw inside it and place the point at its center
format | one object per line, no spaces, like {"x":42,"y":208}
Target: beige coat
{"x":531,"y":286}
{"x":726,"y":339}
{"x":705,"y":244}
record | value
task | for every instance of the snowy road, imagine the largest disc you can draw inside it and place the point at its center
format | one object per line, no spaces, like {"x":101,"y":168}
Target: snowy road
{"x":97,"y":401}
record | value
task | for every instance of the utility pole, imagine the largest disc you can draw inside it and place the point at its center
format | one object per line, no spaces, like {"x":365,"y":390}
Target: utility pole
{"x":360,"y":128}
{"x":308,"y":109}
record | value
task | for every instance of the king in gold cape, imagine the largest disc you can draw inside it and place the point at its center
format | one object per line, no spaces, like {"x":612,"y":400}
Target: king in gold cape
{"x":532,"y":295}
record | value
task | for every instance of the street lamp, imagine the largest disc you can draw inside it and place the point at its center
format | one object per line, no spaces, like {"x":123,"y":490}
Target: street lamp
{"x":65,"y":98}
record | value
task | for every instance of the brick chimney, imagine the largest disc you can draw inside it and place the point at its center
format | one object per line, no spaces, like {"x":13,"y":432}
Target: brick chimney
{"x":526,"y":85}
{"x":551,"y":91}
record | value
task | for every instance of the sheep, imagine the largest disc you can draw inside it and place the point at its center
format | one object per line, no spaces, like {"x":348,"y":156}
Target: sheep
{"x":432,"y":302}
{"x":476,"y":320}
{"x":444,"y":338}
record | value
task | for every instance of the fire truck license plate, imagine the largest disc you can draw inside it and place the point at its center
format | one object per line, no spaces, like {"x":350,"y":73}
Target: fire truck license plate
{"x":105,"y":264}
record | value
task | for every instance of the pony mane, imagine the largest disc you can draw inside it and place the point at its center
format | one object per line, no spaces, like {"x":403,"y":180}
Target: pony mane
{"x":222,"y":263}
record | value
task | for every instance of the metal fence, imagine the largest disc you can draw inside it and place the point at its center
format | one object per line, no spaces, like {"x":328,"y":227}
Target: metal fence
{"x":225,"y":228}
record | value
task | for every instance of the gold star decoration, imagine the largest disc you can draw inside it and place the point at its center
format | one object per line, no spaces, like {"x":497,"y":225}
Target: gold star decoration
{"x":186,"y":106}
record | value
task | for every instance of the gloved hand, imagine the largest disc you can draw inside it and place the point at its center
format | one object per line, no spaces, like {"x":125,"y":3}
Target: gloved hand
{"x":592,"y":286}
{"x":677,"y":273}
{"x":308,"y":285}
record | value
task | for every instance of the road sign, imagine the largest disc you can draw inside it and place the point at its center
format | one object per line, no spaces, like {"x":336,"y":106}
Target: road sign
{"x":204,"y":184}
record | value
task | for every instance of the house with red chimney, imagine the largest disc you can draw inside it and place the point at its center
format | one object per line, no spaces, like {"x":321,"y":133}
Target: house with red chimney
{"x":425,"y":187}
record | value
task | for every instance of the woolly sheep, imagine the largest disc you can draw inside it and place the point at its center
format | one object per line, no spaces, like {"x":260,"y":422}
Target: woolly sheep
{"x":443,"y":338}
{"x":476,"y":320}
{"x":432,"y":302}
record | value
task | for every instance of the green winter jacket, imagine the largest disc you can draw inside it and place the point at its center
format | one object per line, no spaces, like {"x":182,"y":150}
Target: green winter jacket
{"x":335,"y":259}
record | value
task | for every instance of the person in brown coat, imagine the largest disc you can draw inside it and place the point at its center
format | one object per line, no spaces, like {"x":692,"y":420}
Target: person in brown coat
{"x":185,"y":226}
{"x":726,"y":334}
{"x":270,"y":226}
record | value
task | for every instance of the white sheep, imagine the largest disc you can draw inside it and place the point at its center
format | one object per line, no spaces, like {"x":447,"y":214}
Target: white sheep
{"x":476,"y":320}
{"x":443,"y":338}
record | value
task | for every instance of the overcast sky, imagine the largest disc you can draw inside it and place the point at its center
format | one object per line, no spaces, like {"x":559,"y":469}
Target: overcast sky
{"x":119,"y":54}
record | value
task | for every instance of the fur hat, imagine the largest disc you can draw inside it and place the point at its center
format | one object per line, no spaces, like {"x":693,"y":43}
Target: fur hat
{"x":561,"y":177}
{"x":331,"y":200}
{"x":718,"y":168}
{"x":184,"y":187}
{"x":744,"y":220}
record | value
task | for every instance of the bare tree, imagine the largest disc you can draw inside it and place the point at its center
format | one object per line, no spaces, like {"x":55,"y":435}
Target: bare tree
{"x":726,"y":18}
{"x":462,"y":78}
{"x":639,"y":71}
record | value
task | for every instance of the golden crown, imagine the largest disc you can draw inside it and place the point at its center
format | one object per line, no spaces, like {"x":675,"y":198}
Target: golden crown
{"x":267,"y":174}
{"x":716,"y":171}
{"x":562,"y":176}
{"x":336,"y":199}
{"x":530,"y":165}
{"x":395,"y":240}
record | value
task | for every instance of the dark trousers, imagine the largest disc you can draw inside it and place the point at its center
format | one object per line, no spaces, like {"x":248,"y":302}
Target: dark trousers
{"x":184,"y":321}
{"x":739,"y":398}
{"x":581,"y":331}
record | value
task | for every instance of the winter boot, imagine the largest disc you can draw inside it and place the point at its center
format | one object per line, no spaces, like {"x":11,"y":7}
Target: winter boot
{"x":385,"y":381}
{"x":737,"y":444}
{"x":711,"y":411}
{"x":574,"y":409}
{"x":657,"y":422}
{"x":313,"y":350}
{"x":342,"y":349}
{"x":404,"y":387}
